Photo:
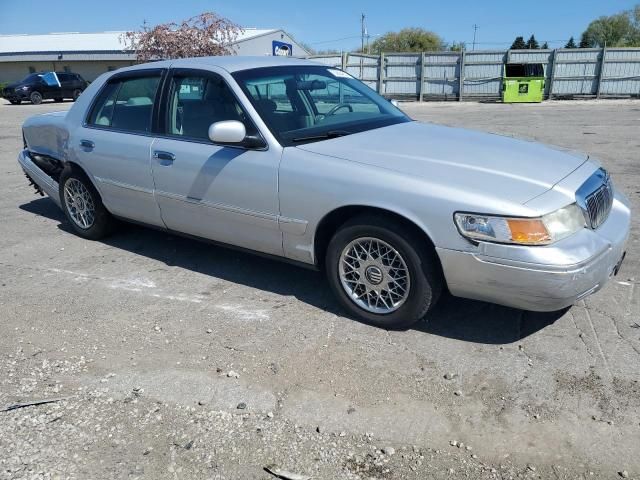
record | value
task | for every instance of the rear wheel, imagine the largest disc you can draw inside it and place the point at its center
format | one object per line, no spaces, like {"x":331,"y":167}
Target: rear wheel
{"x":76,"y":93}
{"x":382,"y":272}
{"x":83,"y":206}
{"x":36,"y":98}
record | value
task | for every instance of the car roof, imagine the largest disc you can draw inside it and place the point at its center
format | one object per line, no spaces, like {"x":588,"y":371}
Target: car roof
{"x":230,"y":63}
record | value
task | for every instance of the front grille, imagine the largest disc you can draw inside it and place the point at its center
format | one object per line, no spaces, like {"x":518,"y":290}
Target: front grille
{"x":595,"y":197}
{"x":599,"y":204}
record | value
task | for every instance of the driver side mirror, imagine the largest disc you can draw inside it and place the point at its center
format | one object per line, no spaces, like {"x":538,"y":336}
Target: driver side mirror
{"x":233,"y":132}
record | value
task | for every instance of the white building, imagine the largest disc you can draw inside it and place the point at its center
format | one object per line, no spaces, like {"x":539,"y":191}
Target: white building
{"x":91,"y":54}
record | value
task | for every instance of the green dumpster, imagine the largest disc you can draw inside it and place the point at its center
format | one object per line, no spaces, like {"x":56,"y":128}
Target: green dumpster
{"x":523,"y":83}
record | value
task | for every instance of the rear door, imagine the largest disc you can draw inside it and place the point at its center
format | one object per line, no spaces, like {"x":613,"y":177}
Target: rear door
{"x":114,"y":142}
{"x":224,"y":193}
{"x":65,"y":84}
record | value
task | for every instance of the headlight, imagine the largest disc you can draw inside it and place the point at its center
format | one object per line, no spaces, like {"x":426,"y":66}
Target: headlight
{"x":523,"y":231}
{"x":25,"y":88}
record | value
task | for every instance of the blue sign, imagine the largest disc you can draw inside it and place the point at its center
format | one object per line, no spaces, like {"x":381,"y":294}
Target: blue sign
{"x":281,"y":49}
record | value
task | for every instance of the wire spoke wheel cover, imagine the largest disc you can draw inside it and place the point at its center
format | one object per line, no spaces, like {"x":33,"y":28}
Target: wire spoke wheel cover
{"x":79,"y":203}
{"x":374,"y":275}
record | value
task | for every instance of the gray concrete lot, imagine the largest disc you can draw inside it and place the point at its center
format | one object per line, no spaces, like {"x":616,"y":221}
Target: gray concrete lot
{"x":151,"y":343}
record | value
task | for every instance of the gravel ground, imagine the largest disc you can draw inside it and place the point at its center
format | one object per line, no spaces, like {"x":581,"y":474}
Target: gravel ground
{"x":169,"y":358}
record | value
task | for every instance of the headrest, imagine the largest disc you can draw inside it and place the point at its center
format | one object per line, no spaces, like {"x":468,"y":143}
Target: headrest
{"x":266,"y":105}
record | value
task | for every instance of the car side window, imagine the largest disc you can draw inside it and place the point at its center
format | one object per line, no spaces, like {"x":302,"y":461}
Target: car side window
{"x":197,"y":101}
{"x":126,"y":104}
{"x":51,"y":79}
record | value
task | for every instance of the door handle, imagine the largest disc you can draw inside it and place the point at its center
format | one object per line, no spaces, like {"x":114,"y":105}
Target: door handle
{"x":166,"y":156}
{"x":88,"y":144}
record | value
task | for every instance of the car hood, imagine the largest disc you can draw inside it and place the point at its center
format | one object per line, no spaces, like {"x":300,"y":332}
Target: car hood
{"x":13,"y":85}
{"x":516,"y":170}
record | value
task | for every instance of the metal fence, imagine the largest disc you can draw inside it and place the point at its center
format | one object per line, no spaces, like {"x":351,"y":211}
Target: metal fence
{"x":570,"y":73}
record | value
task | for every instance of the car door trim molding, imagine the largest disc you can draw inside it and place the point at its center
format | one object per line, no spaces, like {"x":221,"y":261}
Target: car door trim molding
{"x":128,"y":186}
{"x":220,"y":206}
{"x":278,"y":222}
{"x":292,"y":225}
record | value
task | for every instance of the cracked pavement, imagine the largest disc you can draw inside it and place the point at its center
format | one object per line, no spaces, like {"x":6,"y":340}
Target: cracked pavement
{"x":154,"y":341}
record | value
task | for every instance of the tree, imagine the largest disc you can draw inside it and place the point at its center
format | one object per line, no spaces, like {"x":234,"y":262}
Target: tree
{"x":545,"y":46}
{"x":584,"y":42}
{"x":457,"y":46}
{"x":635,"y":21}
{"x":571,"y":43}
{"x":619,"y":30}
{"x":518,"y":44}
{"x":408,"y":40}
{"x":328,"y":51}
{"x":203,"y":35}
{"x":532,"y":43}
{"x":308,"y":48}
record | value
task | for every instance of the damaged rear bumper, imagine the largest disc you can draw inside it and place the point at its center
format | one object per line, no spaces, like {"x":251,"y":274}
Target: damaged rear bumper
{"x":39,"y":177}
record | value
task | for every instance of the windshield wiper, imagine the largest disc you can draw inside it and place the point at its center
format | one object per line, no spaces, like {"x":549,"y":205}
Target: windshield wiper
{"x":323,"y":136}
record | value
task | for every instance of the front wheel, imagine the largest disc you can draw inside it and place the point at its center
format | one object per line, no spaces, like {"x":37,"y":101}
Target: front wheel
{"x":382,"y":272}
{"x":15,"y":102}
{"x":36,"y":98}
{"x":83,"y":206}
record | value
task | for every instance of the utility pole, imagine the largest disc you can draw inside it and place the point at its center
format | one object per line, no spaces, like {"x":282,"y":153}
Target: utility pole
{"x":475,"y":30}
{"x":362,"y":33}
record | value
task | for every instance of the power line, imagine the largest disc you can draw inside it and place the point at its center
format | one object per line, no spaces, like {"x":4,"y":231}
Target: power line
{"x":335,"y":40}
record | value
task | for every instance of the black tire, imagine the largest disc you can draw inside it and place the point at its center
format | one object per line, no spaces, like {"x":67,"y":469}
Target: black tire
{"x":103,"y":223}
{"x":36,"y":98}
{"x":58,"y":100}
{"x":15,"y":102}
{"x":420,"y":260}
{"x":76,"y":93}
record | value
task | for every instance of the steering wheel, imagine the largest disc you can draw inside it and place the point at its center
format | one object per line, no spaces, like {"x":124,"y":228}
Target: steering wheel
{"x":338,"y":107}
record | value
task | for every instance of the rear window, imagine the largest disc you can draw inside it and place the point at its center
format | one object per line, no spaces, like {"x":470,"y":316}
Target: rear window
{"x":126,"y":104}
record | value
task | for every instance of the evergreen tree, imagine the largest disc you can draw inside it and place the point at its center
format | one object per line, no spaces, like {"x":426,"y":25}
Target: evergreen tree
{"x":532,"y":43}
{"x":571,"y":43}
{"x":585,"y":42}
{"x":518,"y":44}
{"x":545,"y":46}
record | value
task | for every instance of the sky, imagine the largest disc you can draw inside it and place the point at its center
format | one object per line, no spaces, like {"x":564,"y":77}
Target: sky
{"x":327,"y":24}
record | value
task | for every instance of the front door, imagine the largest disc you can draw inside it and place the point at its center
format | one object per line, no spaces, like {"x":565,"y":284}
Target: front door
{"x":114,"y":143}
{"x":51,"y":87}
{"x":223,"y":193}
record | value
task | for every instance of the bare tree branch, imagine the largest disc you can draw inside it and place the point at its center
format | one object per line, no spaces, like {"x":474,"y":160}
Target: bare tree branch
{"x":204,"y":35}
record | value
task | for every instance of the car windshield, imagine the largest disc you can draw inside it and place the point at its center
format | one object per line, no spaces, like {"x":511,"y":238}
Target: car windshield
{"x":31,"y":78}
{"x":302,"y":104}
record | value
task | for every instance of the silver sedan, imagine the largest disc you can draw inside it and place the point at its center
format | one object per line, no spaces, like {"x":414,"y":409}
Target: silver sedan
{"x":301,"y":161}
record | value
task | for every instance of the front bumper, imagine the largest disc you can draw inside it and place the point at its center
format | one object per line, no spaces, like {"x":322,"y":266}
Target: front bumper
{"x":15,"y":95}
{"x":541,"y":278}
